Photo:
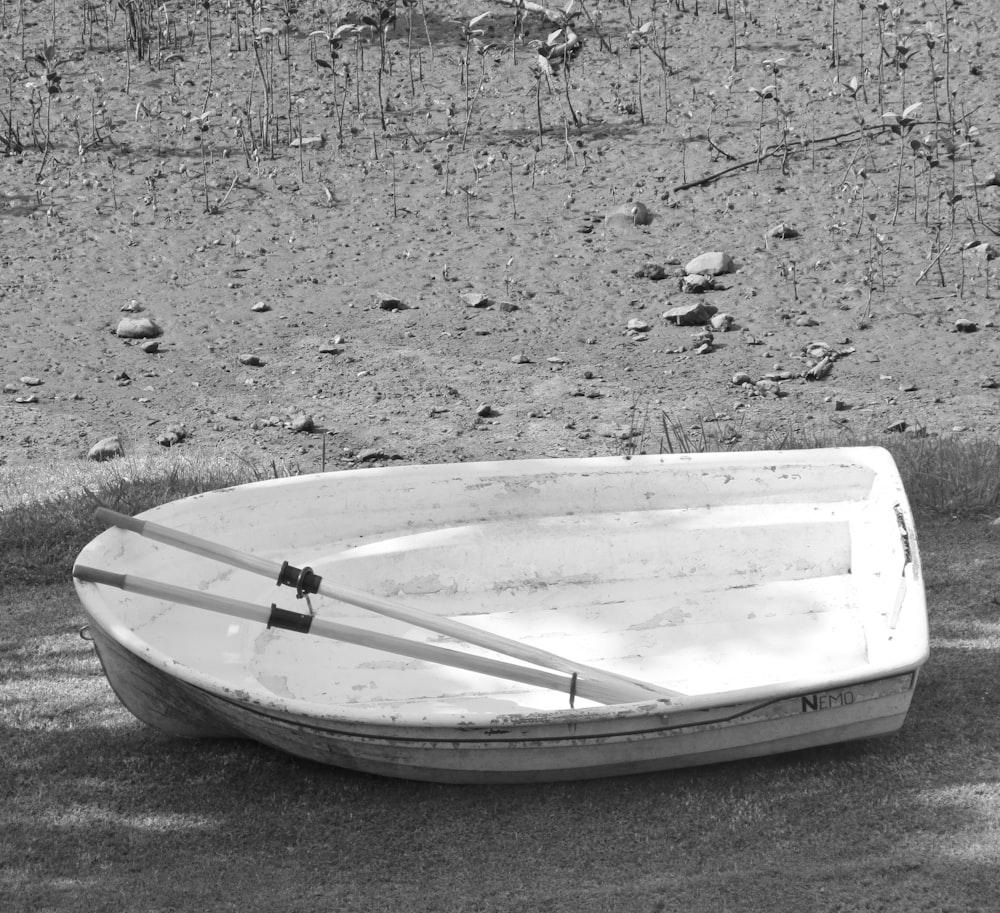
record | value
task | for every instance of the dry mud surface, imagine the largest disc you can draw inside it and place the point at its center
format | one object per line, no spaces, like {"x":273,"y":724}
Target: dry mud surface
{"x":169,"y":185}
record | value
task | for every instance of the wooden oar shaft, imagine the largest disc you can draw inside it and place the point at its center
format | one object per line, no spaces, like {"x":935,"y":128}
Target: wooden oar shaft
{"x":323,"y":627}
{"x":628,"y":689}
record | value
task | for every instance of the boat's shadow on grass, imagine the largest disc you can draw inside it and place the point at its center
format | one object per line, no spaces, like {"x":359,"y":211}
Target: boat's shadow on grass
{"x":100,"y":810}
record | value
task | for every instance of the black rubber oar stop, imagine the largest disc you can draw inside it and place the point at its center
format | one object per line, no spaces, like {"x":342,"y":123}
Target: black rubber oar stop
{"x":303,"y":579}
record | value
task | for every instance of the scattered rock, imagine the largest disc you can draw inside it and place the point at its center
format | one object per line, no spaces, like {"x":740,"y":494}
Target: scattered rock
{"x":897,"y":427}
{"x":173,"y":436}
{"x":31,"y":381}
{"x":520,"y":359}
{"x":251,"y":361}
{"x":638,"y":325}
{"x":374,"y":455}
{"x":261,"y":307}
{"x":989,"y":383}
{"x":821,"y":369}
{"x":150,"y":346}
{"x":721,"y":323}
{"x":10,"y":388}
{"x":485,"y":410}
{"x":740,"y":378}
{"x":781,"y":230}
{"x":302,"y":424}
{"x":26,"y":400}
{"x":768,"y":387}
{"x":137,"y":328}
{"x":966,"y":326}
{"x":651,"y":271}
{"x":689,"y":315}
{"x":386,"y":302}
{"x":696,"y":283}
{"x":804,"y":320}
{"x":628,"y":214}
{"x":711,"y":263}
{"x":107,"y":448}
{"x":475,"y":300}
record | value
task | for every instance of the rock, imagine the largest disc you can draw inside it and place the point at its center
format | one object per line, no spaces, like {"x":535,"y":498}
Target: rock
{"x":174,"y":435}
{"x":251,"y":361}
{"x":966,"y":326}
{"x":302,"y":424}
{"x":261,"y":307}
{"x":989,"y":383}
{"x":150,"y":346}
{"x":696,"y":283}
{"x":26,"y":400}
{"x":768,"y":387}
{"x":628,"y":214}
{"x":107,"y":448}
{"x":31,"y":381}
{"x":386,"y":302}
{"x":10,"y":388}
{"x":897,"y":427}
{"x":651,"y":271}
{"x":137,"y":328}
{"x":721,"y":323}
{"x":711,"y":263}
{"x":485,"y":410}
{"x":740,"y":378}
{"x":475,"y":300}
{"x":374,"y":454}
{"x":781,"y":230}
{"x":521,"y":359}
{"x":804,"y":320}
{"x":690,"y":315}
{"x":820,"y":370}
{"x":638,"y":325}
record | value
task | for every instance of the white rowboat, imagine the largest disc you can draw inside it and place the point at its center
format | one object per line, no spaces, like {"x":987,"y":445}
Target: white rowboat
{"x":525,"y":620}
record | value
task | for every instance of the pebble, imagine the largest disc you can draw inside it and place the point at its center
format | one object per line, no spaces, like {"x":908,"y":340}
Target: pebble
{"x":485,"y":410}
{"x":150,"y":346}
{"x":261,"y":307}
{"x":689,"y":315}
{"x":252,"y":361}
{"x":781,"y":230}
{"x":302,"y":424}
{"x":628,"y":214}
{"x":966,"y":326}
{"x":138,"y":328}
{"x":475,"y":300}
{"x":520,"y":359}
{"x":710,"y":263}
{"x":387,"y":302}
{"x":31,"y":381}
{"x":696,"y":283}
{"x":106,"y":449}
{"x":638,"y":325}
{"x":722,"y":323}
{"x":174,"y":435}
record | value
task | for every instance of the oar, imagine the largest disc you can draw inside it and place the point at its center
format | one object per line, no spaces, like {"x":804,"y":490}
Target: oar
{"x":306,"y":581}
{"x":303,"y":623}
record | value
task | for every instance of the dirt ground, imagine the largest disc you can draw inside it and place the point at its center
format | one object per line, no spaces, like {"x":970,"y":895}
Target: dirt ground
{"x":174,"y":187}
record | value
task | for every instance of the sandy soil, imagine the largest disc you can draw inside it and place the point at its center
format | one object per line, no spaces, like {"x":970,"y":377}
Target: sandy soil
{"x":146,"y":189}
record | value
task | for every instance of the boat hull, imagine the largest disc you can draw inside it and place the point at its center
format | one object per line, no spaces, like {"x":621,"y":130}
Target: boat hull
{"x":548,"y":752}
{"x":780,"y":595}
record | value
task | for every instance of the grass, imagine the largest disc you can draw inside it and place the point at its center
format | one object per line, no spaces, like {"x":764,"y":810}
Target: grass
{"x":100,"y":813}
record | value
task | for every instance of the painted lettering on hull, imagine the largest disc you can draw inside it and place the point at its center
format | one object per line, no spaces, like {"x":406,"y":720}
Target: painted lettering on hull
{"x":829,"y":700}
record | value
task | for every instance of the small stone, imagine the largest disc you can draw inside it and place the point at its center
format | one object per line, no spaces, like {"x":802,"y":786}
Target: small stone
{"x":485,"y":410}
{"x":651,"y":271}
{"x":897,"y":427}
{"x":638,"y":325}
{"x":721,"y":323}
{"x":475,"y":300}
{"x":819,"y":370}
{"x":740,"y":378}
{"x":251,"y":361}
{"x":31,"y":381}
{"x":768,"y":387}
{"x":696,"y":284}
{"x":10,"y":388}
{"x":781,"y":230}
{"x":173,"y":436}
{"x":386,"y":302}
{"x":966,"y":326}
{"x":628,"y":214}
{"x":106,"y":449}
{"x":302,"y":424}
{"x":989,"y":383}
{"x":520,"y":359}
{"x":150,"y":346}
{"x":711,"y":263}
{"x":137,"y":328}
{"x":804,"y":320}
{"x":690,"y":314}
{"x":26,"y":400}
{"x":261,"y":307}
